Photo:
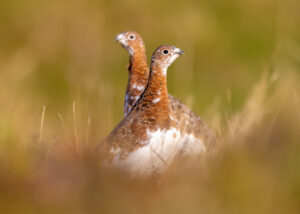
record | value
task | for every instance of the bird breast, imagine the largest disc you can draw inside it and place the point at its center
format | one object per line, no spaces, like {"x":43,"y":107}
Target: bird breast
{"x":158,"y":150}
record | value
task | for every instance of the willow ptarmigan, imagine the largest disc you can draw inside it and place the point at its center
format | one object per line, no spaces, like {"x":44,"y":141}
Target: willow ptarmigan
{"x":149,"y":136}
{"x":137,"y":82}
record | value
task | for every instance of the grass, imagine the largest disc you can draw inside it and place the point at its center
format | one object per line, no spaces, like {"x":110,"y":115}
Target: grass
{"x":62,"y":88}
{"x":254,"y":168}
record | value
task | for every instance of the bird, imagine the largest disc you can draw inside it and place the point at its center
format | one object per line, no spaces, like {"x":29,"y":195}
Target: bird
{"x":138,"y":70}
{"x":149,"y":137}
{"x":138,"y":77}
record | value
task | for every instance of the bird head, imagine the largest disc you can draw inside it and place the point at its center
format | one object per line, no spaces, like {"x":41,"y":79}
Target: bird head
{"x":131,"y":41}
{"x":165,"y":55}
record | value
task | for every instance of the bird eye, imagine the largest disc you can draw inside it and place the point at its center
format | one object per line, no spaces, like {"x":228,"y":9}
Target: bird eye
{"x":166,"y":51}
{"x":132,"y":37}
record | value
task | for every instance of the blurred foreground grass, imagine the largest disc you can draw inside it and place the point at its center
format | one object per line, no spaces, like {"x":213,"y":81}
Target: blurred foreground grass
{"x":240,"y":73}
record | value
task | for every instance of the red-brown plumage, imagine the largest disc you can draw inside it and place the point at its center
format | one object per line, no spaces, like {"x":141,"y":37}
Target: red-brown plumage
{"x":150,"y":135}
{"x":138,"y":76}
{"x":138,"y":71}
{"x":146,"y":115}
{"x":157,"y":127}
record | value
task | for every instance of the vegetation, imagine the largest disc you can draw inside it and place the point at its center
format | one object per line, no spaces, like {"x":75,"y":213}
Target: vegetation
{"x":62,"y":88}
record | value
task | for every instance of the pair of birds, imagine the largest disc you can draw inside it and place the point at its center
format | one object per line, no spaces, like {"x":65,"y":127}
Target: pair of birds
{"x":157,"y":127}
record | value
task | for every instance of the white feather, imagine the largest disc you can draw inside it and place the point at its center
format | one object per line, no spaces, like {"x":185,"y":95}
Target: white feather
{"x":160,"y":149}
{"x":156,"y":100}
{"x":138,"y":87}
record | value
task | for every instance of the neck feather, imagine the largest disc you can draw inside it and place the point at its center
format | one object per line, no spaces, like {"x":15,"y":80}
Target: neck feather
{"x":157,"y":84}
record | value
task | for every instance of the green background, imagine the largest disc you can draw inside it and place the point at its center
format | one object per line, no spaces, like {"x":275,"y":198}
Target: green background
{"x":62,"y":55}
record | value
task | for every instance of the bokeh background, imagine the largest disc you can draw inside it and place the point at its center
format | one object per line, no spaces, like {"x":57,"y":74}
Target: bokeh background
{"x":62,"y":86}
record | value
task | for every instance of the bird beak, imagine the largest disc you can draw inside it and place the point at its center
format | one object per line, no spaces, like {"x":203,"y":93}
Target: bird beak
{"x":178,"y":51}
{"x":122,"y":40}
{"x":120,"y":37}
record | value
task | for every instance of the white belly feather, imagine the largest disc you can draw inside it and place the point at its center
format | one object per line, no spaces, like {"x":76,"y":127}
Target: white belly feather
{"x":158,"y":151}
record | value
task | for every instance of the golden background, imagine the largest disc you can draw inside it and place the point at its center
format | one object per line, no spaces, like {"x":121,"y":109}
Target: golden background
{"x":240,"y":73}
